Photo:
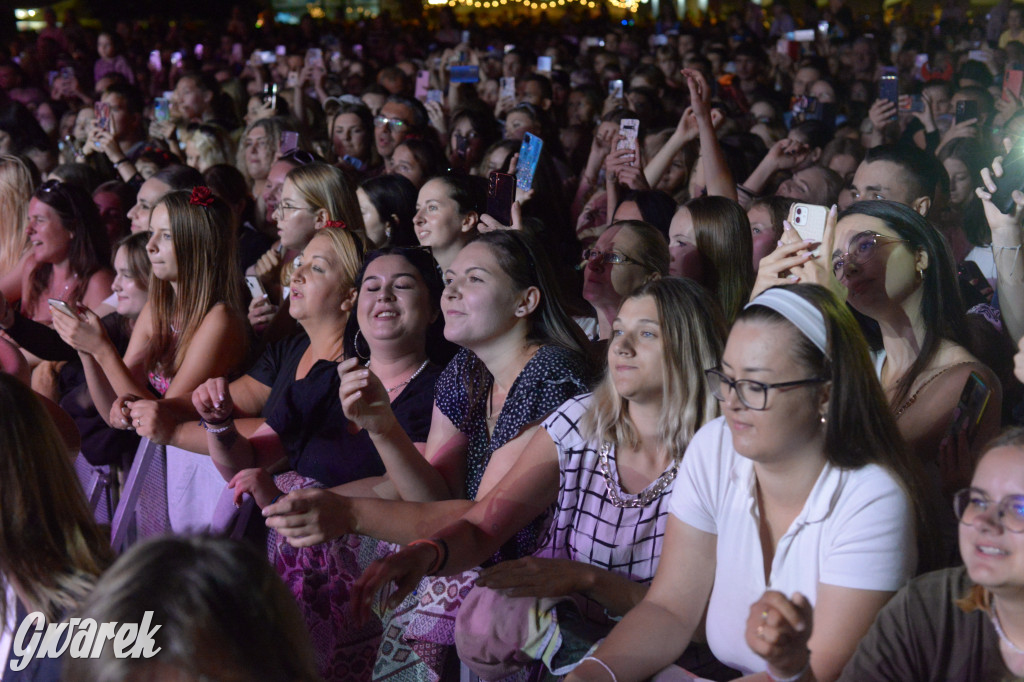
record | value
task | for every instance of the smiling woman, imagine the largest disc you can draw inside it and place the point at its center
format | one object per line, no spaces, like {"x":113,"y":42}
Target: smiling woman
{"x":978,"y":605}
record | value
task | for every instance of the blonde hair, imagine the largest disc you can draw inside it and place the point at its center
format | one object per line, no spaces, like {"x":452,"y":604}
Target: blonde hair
{"x":213,"y":144}
{"x":16,"y":189}
{"x":208,"y":274}
{"x":349,"y":251}
{"x":693,"y":335}
{"x":325,"y":186}
{"x":50,"y":546}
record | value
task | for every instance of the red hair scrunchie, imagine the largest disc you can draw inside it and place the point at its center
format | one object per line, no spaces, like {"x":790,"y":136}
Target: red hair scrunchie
{"x":201,"y":196}
{"x":336,"y":223}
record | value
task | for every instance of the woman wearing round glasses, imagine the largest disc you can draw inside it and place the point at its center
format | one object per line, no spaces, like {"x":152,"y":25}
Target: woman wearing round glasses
{"x":898,"y":271}
{"x":785,"y":506}
{"x":964,"y":623}
{"x":625,"y":256}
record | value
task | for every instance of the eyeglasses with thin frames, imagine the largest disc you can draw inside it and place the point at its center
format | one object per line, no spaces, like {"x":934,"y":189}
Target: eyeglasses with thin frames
{"x":1008,"y":513}
{"x":753,"y":394}
{"x":863,"y":248}
{"x":608,"y":258}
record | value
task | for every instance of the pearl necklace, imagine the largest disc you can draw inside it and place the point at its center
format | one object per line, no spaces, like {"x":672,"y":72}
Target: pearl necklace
{"x":1002,"y":635}
{"x":407,"y":381}
{"x":620,"y":499}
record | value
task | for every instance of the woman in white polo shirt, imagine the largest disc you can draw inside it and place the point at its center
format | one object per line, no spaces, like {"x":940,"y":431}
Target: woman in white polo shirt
{"x":801,"y":499}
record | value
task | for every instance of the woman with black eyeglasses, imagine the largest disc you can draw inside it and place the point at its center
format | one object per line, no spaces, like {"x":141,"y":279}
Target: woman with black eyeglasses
{"x":964,"y":623}
{"x":793,"y":519}
{"x":68,"y":251}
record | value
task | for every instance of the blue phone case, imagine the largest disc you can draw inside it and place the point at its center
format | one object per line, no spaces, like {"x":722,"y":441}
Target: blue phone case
{"x":529,"y":155}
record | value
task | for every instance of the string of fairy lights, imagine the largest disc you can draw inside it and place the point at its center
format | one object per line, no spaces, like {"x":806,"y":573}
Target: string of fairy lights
{"x":628,"y":5}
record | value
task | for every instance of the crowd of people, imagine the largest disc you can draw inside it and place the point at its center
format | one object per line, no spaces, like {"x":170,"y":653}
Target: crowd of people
{"x":718,"y":384}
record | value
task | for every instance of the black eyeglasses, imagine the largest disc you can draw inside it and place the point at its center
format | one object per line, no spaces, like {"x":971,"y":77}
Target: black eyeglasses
{"x":608,"y":258}
{"x":970,"y":503}
{"x":753,"y":394}
{"x":863,"y":248}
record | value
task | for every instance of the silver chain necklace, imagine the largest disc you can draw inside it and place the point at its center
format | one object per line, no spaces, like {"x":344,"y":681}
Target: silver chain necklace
{"x":407,"y":381}
{"x":621,"y":499}
{"x":1002,"y":635}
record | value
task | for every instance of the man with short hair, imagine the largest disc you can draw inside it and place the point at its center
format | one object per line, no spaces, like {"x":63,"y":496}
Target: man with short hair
{"x":905,"y":174}
{"x":398,"y":118}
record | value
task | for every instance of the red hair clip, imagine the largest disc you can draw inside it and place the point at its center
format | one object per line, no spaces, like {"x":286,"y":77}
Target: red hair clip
{"x":336,"y":223}
{"x":201,"y":196}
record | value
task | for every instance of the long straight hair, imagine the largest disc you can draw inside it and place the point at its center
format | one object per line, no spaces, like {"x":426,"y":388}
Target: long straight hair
{"x":856,"y":400}
{"x":692,"y":339}
{"x":725,"y":242}
{"x":208,"y":274}
{"x":49,"y":543}
{"x":16,"y":187}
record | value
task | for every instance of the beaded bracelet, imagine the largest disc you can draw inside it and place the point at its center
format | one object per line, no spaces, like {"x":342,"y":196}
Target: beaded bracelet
{"x":223,"y":425}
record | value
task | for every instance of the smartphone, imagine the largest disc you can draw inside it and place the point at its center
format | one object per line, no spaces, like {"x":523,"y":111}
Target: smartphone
{"x":315,"y":56}
{"x":176,"y":60}
{"x":912,"y":103}
{"x":1012,"y":81}
{"x":289,"y":141}
{"x":529,"y":155}
{"x":101,"y":110}
{"x":808,"y":220}
{"x":509,"y":47}
{"x":293,"y":79}
{"x":802,"y":36}
{"x":615,"y":89}
{"x":435,"y":96}
{"x":155,"y":61}
{"x":269,"y":95}
{"x":255,"y":286}
{"x":161,"y":108}
{"x":977,"y":56}
{"x":422,"y":84}
{"x":889,"y":88}
{"x":823,"y":27}
{"x":544,"y":64}
{"x":660,"y":39}
{"x":354,"y":162}
{"x":508,"y":87}
{"x":280,"y":51}
{"x":464,"y":73}
{"x":629,"y":130}
{"x":63,"y":307}
{"x":501,"y":192}
{"x":971,"y":407}
{"x":465,"y":36}
{"x":198,"y":51}
{"x":267,"y":57}
{"x":920,"y":61}
{"x":966,"y":109}
{"x":1011,"y":179}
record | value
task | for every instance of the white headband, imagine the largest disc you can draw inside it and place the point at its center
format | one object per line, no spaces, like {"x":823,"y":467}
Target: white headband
{"x":798,"y":310}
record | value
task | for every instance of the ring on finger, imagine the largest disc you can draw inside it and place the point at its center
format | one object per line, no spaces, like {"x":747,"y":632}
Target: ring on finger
{"x":764,"y":616}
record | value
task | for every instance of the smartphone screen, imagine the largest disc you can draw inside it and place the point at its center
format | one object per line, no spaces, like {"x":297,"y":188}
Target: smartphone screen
{"x":966,"y":110}
{"x":971,"y":407}
{"x":501,"y":192}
